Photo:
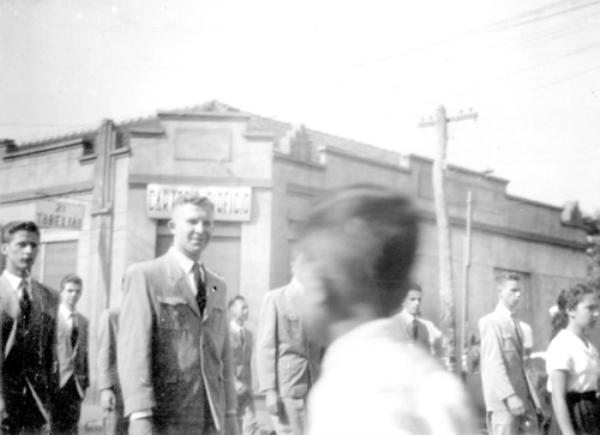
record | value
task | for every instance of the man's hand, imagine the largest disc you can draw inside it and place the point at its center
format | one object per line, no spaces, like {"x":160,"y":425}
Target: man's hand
{"x":3,"y":413}
{"x":107,"y":400}
{"x":515,"y":405}
{"x":231,"y":425}
{"x":240,"y":388}
{"x":141,"y":426}
{"x":272,"y":402}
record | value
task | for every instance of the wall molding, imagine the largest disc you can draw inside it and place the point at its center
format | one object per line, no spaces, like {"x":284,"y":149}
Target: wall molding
{"x":47,"y":192}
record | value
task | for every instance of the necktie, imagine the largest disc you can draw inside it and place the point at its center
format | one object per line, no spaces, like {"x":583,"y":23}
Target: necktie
{"x":200,"y":287}
{"x":74,"y":330}
{"x":24,"y":302}
{"x":415,"y":330}
{"x":242,"y":336}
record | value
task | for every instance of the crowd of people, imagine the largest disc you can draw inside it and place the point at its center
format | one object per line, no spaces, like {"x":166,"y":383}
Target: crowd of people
{"x":341,"y":349}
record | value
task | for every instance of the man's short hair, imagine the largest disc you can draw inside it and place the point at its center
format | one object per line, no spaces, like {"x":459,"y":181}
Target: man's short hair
{"x":504,"y":277}
{"x":194,"y":199}
{"x":373,"y":232}
{"x":234,"y":299}
{"x":70,"y":278}
{"x":9,"y":230}
{"x":414,"y":286}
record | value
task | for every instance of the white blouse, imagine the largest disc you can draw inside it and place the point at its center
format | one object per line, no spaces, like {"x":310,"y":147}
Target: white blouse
{"x":569,"y":353}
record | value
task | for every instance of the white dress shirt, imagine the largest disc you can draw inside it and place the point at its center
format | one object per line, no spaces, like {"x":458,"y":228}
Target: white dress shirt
{"x":391,"y":374}
{"x":12,"y":304}
{"x":187,"y":265}
{"x":569,"y":353}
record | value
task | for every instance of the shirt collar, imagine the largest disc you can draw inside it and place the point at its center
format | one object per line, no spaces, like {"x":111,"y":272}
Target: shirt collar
{"x":502,"y":310}
{"x":64,"y":311}
{"x":296,"y":284}
{"x":235,"y":326}
{"x":183,"y":260}
{"x":408,"y":318}
{"x":13,"y":280}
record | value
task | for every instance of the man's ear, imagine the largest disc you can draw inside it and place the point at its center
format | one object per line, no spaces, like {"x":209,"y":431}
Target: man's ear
{"x":171,"y":225}
{"x":3,"y":248}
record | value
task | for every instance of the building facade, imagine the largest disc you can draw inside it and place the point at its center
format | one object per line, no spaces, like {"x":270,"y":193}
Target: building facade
{"x":102,"y":199}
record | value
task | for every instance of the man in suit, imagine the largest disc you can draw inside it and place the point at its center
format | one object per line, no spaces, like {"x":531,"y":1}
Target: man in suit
{"x":287,"y":361}
{"x":28,"y":313}
{"x":242,"y":343}
{"x":410,"y":318}
{"x":174,"y":357}
{"x":510,"y":399}
{"x":72,"y":350}
{"x":111,"y":397}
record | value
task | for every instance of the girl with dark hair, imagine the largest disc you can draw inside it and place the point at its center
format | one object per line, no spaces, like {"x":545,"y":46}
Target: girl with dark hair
{"x":573,"y":364}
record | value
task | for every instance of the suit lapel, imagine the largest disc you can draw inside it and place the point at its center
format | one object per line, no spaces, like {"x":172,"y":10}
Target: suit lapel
{"x":179,"y":283}
{"x":213,"y":287}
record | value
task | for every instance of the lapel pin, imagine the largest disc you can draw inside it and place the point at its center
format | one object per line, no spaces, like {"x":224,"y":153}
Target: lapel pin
{"x":214,"y":289}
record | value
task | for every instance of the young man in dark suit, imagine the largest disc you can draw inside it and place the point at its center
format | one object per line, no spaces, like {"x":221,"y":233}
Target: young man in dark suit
{"x":28,"y":312}
{"x":72,"y":351}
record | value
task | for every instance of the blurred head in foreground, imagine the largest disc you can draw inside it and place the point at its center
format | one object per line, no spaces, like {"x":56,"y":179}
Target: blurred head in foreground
{"x":355,"y":251}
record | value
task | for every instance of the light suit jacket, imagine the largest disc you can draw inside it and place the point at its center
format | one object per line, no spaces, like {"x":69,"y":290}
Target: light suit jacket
{"x":73,"y":361}
{"x":286,"y":359}
{"x":168,"y":350}
{"x":107,"y":350}
{"x":502,"y":366}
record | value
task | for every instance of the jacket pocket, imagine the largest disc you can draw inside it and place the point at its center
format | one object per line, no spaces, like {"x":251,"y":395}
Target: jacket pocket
{"x":172,"y":313}
{"x":508,"y":343}
{"x":292,"y":325}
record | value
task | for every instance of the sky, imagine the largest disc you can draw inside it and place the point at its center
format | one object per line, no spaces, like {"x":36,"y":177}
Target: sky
{"x":366,"y":70}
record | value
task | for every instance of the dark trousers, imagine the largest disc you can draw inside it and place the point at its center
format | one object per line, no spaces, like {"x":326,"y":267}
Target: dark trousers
{"x":24,"y":416}
{"x":66,"y":409}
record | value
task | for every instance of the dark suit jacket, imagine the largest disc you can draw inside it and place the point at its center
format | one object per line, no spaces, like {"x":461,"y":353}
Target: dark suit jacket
{"x":38,"y":350}
{"x":423,"y":338}
{"x":286,"y":360}
{"x":167,"y":350}
{"x":241,"y":354}
{"x":74,"y":360}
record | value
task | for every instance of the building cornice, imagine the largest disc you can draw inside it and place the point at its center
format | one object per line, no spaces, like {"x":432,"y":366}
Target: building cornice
{"x":289,"y":159}
{"x":528,"y":236}
{"x":47,"y":192}
{"x":141,"y":180}
{"x":299,"y":189}
{"x":203,"y":116}
{"x":533,"y":202}
{"x":460,"y":170}
{"x":14,"y":152}
{"x":149,"y":131}
{"x":260,"y":136}
{"x":328,"y":149}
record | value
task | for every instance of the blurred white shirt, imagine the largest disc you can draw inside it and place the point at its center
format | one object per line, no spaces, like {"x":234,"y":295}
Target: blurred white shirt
{"x":374,"y":382}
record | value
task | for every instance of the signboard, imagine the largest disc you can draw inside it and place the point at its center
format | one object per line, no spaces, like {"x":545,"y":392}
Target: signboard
{"x":57,"y":214}
{"x":231,"y":203}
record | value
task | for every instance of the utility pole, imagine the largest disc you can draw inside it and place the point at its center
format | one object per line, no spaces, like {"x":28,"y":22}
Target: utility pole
{"x":467,"y":267}
{"x":448,"y":318}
